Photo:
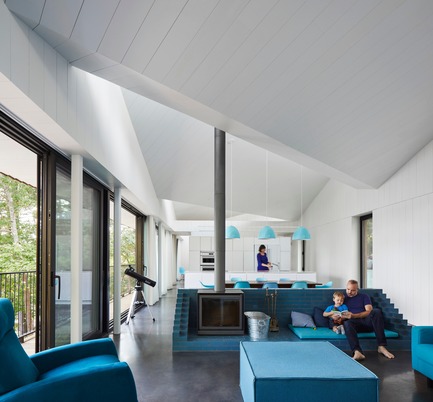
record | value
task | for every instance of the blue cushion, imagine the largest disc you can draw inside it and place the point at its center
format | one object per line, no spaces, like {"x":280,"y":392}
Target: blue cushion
{"x":326,"y":333}
{"x":319,"y":319}
{"x":82,"y":364}
{"x":302,"y":320}
{"x":16,"y":368}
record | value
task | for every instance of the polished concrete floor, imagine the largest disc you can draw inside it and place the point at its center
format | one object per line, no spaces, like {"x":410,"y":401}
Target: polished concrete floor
{"x":161,"y":375}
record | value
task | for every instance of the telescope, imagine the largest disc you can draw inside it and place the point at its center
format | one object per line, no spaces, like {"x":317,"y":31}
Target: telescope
{"x":140,"y":278}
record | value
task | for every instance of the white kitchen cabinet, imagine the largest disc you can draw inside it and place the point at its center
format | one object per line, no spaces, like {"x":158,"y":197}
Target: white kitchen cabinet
{"x":206,"y":243}
{"x":285,"y":263}
{"x":238,"y":244}
{"x":285,"y":244}
{"x":229,"y":260}
{"x":194,"y":261}
{"x":248,"y":243}
{"x":237,"y":261}
{"x":194,"y":243}
{"x":250,"y":261}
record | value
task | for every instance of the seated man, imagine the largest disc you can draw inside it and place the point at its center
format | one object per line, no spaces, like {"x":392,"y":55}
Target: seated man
{"x":362,"y":318}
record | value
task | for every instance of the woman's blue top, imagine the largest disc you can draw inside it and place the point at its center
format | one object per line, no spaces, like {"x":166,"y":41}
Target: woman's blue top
{"x":262,"y":259}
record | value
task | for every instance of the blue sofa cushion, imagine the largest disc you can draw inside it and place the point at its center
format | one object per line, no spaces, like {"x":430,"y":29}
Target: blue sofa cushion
{"x":326,"y":333}
{"x":319,"y":319}
{"x":425,"y":352}
{"x":77,"y":365}
{"x":302,"y":320}
{"x":22,"y":371}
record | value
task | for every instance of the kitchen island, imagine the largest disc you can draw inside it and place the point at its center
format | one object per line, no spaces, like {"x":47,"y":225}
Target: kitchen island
{"x":193,"y":279}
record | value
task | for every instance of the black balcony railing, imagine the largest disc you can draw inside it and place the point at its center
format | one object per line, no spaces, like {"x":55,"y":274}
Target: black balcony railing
{"x":127,"y":285}
{"x":20,"y":289}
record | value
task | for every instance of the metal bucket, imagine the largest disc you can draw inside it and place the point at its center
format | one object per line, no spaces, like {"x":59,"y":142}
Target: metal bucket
{"x":258,"y":325}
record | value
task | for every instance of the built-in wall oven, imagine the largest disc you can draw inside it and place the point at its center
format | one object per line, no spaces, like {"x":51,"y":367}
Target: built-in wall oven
{"x":207,"y":260}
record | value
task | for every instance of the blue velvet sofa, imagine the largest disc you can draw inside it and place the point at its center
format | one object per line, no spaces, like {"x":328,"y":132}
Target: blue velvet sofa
{"x":86,"y":371}
{"x":422,"y":351}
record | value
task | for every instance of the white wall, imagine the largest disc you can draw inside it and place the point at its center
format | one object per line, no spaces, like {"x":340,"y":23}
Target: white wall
{"x":80,"y":103}
{"x":402,"y":235}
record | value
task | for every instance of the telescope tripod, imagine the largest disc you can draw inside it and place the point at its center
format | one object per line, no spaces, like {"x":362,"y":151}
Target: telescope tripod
{"x":137,"y":291}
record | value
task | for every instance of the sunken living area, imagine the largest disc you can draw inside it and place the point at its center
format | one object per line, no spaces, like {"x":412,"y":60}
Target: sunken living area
{"x":185,"y":328}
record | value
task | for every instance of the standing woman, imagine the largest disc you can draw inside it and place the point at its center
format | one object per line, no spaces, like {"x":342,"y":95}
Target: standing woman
{"x":262,"y":259}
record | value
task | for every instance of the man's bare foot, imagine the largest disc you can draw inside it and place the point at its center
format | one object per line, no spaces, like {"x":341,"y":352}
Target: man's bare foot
{"x":358,"y":356}
{"x":383,"y":350}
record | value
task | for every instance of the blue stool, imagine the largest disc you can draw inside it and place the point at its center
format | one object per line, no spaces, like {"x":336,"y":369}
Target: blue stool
{"x":242,"y":285}
{"x":300,"y":285}
{"x":270,"y":285}
{"x":207,"y":286}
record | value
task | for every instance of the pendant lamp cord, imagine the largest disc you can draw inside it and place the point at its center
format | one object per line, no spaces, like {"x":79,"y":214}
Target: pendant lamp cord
{"x":231,"y":179}
{"x":302,"y":191}
{"x":267,"y":186}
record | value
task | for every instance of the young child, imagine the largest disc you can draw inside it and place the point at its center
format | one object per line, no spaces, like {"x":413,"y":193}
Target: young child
{"x":336,"y":320}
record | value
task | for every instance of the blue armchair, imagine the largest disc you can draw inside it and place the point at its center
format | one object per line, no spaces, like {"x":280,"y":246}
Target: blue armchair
{"x":422,"y":351}
{"x":86,"y":371}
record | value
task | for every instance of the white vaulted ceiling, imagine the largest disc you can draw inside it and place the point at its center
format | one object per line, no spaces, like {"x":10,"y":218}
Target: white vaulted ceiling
{"x":343,"y":88}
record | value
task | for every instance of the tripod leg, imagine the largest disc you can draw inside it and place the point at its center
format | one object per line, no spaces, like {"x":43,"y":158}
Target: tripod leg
{"x":132,"y":308}
{"x":148,"y":307}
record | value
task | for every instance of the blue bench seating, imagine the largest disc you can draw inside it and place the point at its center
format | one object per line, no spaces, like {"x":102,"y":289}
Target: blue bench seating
{"x":328,"y":334}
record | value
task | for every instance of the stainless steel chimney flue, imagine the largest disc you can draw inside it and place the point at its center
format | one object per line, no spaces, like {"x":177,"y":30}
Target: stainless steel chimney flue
{"x":220,"y":208}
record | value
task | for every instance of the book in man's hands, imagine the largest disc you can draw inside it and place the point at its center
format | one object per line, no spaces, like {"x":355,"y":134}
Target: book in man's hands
{"x":339,"y":313}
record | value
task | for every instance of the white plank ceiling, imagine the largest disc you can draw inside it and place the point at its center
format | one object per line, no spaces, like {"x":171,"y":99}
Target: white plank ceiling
{"x":343,"y":88}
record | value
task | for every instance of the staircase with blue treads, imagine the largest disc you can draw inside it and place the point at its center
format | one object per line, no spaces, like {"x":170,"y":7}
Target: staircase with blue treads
{"x":185,"y":336}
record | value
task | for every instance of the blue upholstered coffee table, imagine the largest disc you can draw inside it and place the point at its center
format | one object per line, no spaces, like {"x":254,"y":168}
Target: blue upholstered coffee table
{"x":303,"y":371}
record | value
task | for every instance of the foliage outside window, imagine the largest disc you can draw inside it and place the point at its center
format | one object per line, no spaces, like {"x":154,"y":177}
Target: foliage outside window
{"x":18,"y":214}
{"x":18,"y":224}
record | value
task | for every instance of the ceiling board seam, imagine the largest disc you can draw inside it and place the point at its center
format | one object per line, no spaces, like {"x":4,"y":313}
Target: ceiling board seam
{"x":259,"y":50}
{"x":284,"y":89}
{"x":247,"y":106}
{"x":138,"y":30}
{"x":76,"y":19}
{"x":209,"y":51}
{"x":108,"y":26}
{"x":163,"y":39}
{"x":292,"y":99}
{"x":222,"y":65}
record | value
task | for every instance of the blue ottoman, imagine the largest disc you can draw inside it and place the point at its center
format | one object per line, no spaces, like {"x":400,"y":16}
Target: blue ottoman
{"x":303,"y":371}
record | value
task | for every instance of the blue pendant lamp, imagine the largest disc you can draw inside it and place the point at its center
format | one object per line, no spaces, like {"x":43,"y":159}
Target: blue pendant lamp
{"x":301,"y":233}
{"x":266,"y":232}
{"x":231,"y":231}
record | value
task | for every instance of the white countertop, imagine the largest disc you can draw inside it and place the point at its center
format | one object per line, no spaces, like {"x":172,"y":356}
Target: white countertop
{"x":192,"y":279}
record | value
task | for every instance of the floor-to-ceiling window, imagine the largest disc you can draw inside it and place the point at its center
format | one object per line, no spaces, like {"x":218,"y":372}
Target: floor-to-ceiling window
{"x":131,"y":253}
{"x":366,"y":250}
{"x":92,"y":267}
{"x":38,"y":215}
{"x":62,"y":297}
{"x":18,"y":234}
